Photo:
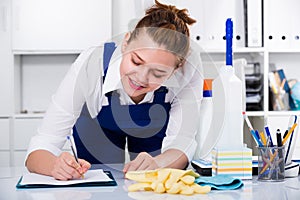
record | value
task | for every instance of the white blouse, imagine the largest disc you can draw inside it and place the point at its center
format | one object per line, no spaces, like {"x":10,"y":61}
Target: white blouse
{"x":83,"y":84}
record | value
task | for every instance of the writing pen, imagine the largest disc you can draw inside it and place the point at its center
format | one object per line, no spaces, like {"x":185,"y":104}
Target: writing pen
{"x":254,"y":133}
{"x":263,"y":138}
{"x":247,"y":121}
{"x":280,"y":150}
{"x":74,"y":154}
{"x":279,"y":139}
{"x":286,"y":132}
{"x":288,"y":155}
{"x":256,"y":138}
{"x":289,"y":133}
{"x":269,"y":135}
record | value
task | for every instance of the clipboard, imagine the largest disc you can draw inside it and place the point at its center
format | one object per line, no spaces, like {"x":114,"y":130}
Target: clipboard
{"x":91,"y":183}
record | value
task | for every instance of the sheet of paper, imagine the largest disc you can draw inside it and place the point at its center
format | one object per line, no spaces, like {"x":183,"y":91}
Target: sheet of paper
{"x":90,"y":176}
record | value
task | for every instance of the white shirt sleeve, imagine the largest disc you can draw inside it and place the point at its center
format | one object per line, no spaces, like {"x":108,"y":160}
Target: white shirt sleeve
{"x":64,"y":109}
{"x":185,"y":109}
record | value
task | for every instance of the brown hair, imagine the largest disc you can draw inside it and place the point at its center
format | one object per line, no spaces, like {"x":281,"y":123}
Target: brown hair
{"x":167,"y":26}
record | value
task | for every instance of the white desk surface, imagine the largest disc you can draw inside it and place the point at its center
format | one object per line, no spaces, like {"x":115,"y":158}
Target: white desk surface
{"x":288,"y":189}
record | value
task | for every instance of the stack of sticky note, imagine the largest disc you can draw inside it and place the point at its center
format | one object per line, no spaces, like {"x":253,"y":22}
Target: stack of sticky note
{"x":234,"y":162}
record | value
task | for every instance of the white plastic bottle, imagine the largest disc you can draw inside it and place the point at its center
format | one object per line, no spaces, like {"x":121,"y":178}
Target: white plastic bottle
{"x":206,"y":112}
{"x":228,"y":105}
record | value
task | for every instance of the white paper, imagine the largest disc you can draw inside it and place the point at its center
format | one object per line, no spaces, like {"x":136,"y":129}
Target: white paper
{"x":89,"y":176}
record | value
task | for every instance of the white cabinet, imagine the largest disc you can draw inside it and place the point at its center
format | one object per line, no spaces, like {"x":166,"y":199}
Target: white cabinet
{"x":24,"y":129}
{"x":19,"y":158}
{"x":5,"y":59}
{"x":42,"y":39}
{"x":4,"y":142}
{"x":5,"y":159}
{"x":55,"y":25}
{"x":37,"y":77}
{"x":4,"y":134}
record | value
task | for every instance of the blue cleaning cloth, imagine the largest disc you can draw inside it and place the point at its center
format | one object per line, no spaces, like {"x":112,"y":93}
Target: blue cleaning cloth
{"x":220,"y":182}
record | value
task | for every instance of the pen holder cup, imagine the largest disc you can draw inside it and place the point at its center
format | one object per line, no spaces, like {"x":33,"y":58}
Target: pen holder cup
{"x":271,"y":163}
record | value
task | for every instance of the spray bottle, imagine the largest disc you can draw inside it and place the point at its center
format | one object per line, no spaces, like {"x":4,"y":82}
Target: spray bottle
{"x":227,"y":87}
{"x":206,"y":112}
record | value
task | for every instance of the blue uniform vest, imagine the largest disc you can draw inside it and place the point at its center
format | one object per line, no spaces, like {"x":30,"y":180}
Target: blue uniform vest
{"x":143,"y":126}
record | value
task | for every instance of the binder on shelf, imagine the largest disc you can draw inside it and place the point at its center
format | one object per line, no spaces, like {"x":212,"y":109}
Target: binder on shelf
{"x":253,"y":23}
{"x":282,"y":22}
{"x":209,"y":31}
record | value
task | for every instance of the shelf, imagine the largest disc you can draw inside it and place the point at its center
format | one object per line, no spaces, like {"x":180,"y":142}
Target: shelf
{"x":50,"y":52}
{"x":255,"y":113}
{"x":272,"y":113}
{"x":249,"y":50}
{"x":4,"y":116}
{"x":29,"y":115}
{"x":237,"y":50}
{"x":282,"y":113}
{"x":284,"y":50}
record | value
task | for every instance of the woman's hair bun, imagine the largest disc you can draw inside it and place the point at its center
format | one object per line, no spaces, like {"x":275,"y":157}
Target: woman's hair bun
{"x":182,"y":14}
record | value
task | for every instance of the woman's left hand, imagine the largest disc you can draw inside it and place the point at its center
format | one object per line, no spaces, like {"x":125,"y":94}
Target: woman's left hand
{"x":143,"y":161}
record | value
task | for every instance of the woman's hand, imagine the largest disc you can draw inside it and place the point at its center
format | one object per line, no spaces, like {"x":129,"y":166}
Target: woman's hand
{"x":143,"y":161}
{"x":171,"y":158}
{"x":66,"y":168}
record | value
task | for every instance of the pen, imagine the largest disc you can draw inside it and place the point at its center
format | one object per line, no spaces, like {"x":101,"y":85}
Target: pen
{"x":73,"y":150}
{"x":263,"y":138}
{"x":279,"y":139}
{"x":257,"y":140}
{"x":289,"y":133}
{"x":247,"y":121}
{"x":285,"y":133}
{"x":269,"y":135}
{"x":280,"y":150}
{"x":288,"y":157}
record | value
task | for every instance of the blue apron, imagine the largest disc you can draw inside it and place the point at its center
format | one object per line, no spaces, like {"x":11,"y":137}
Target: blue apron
{"x":103,"y":139}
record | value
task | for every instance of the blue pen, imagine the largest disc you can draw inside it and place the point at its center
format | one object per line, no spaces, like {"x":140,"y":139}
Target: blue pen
{"x":256,"y":138}
{"x":269,"y":135}
{"x":74,"y":153}
{"x":229,"y":36}
{"x":291,"y":137}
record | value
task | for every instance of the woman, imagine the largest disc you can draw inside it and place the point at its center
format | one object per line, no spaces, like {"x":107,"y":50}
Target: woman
{"x":144,"y":93}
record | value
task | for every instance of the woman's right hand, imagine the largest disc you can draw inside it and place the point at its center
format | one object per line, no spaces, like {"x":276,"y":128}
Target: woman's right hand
{"x":66,"y":168}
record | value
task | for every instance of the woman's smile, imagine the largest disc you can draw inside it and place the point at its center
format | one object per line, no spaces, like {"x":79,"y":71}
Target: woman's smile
{"x":135,"y":85}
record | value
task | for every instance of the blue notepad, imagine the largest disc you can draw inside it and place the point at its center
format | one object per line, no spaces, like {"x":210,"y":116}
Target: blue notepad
{"x":92,"y":178}
{"x":220,"y":182}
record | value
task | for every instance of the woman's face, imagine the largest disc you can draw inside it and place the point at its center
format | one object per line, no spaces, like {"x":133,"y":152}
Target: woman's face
{"x":144,"y":66}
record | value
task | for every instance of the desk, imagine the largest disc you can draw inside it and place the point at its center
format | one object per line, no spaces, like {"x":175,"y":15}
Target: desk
{"x":289,"y":189}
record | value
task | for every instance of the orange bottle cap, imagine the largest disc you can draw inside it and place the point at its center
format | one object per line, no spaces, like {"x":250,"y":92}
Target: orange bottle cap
{"x":207,"y":85}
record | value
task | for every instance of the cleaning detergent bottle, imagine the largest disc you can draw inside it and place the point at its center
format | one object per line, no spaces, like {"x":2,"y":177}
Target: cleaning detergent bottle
{"x":206,"y":112}
{"x":227,"y":99}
